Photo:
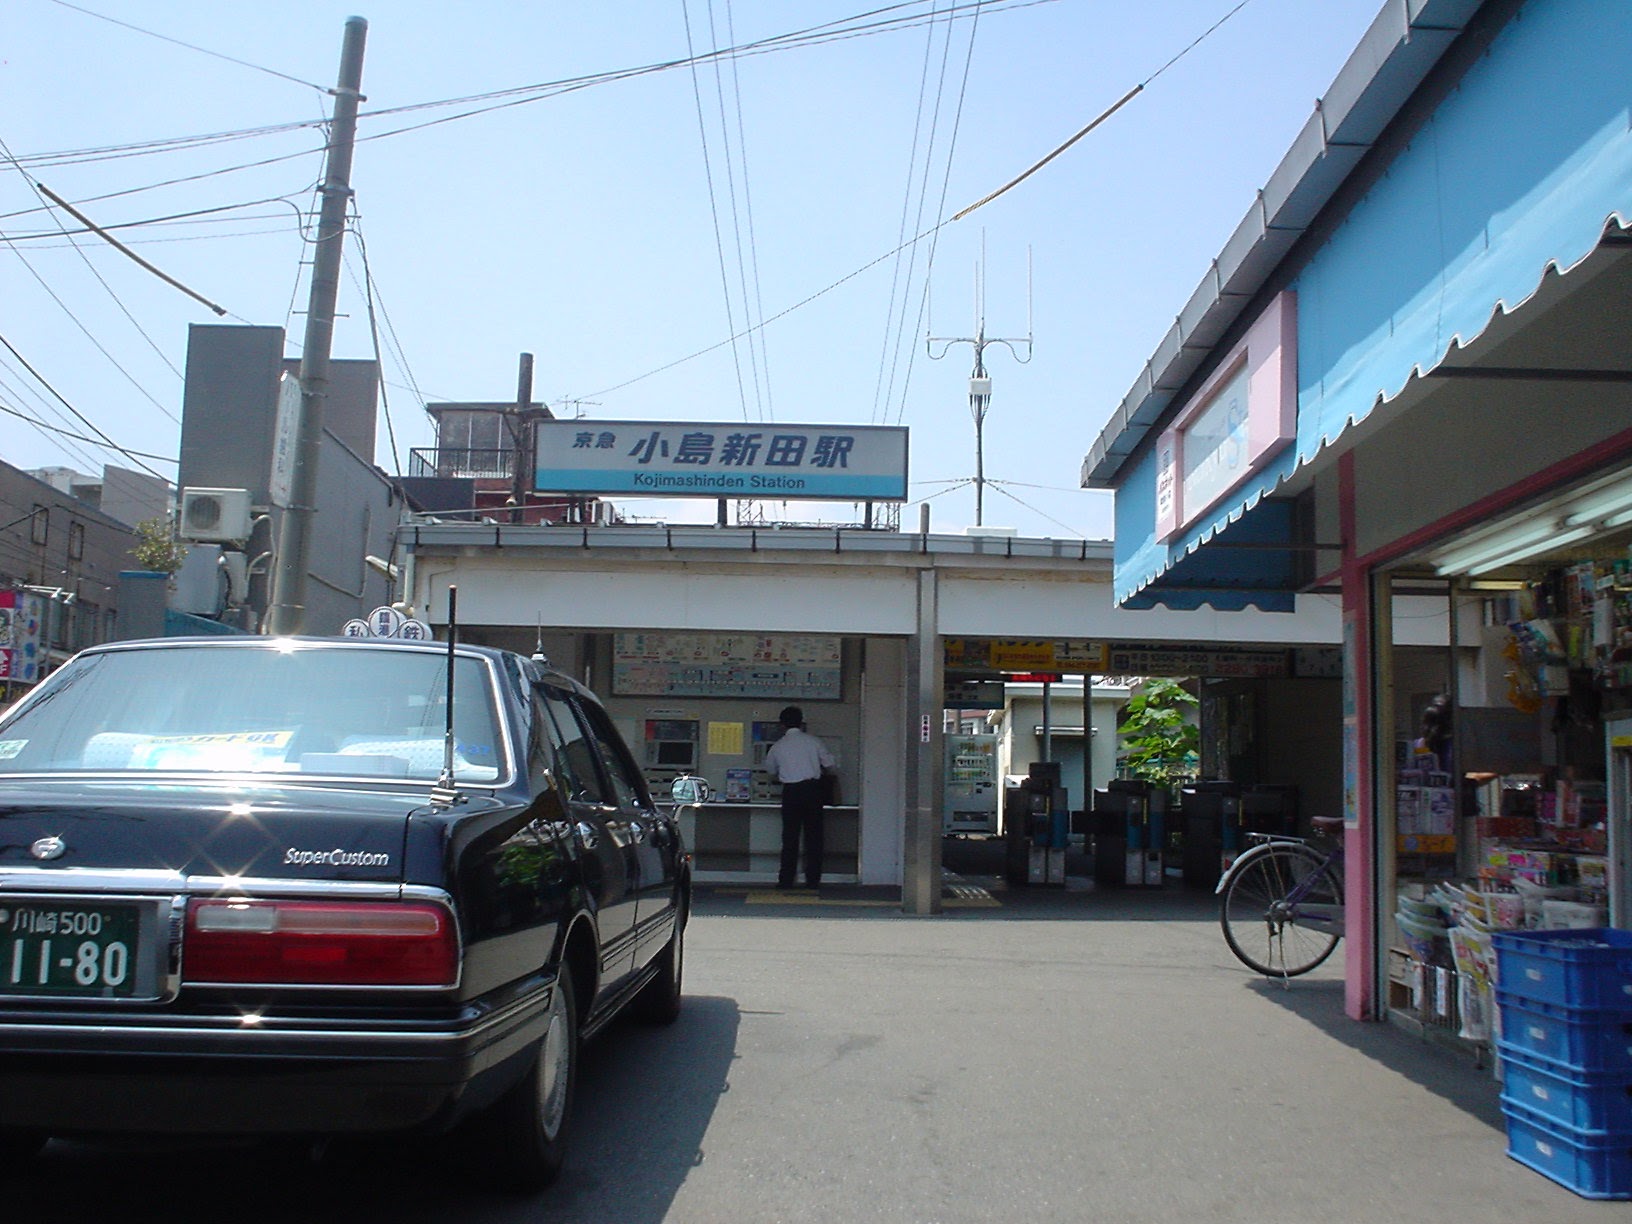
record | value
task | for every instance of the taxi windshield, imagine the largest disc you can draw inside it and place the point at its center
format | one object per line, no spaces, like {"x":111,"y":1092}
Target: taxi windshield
{"x":266,"y":708}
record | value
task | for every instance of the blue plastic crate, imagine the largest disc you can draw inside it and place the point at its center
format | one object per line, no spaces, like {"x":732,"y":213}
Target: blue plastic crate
{"x":1582,"y":1100}
{"x":1594,"y":1164}
{"x":1578,"y":1038}
{"x":1570,"y":968}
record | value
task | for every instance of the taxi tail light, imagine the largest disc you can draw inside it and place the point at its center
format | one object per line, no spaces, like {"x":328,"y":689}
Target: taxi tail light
{"x":316,"y":943}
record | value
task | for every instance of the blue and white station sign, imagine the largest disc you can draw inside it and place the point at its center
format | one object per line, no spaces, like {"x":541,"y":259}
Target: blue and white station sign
{"x":687,"y":459}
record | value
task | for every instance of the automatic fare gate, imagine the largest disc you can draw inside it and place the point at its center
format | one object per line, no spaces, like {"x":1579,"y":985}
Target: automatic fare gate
{"x":1248,"y":705}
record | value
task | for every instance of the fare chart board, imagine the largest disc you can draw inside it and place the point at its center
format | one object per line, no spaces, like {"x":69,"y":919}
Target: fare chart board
{"x":780,"y":666}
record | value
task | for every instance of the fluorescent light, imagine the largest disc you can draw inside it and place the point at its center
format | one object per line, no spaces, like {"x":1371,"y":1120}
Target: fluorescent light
{"x":1533,"y":548}
{"x":1463,"y":557}
{"x":1563,"y":519}
{"x":1607,"y":499}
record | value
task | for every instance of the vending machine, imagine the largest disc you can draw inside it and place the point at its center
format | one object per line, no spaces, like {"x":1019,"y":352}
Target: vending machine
{"x":972,"y":787}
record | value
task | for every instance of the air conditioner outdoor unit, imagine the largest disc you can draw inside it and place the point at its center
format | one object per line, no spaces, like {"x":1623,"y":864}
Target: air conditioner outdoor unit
{"x":214,"y":514}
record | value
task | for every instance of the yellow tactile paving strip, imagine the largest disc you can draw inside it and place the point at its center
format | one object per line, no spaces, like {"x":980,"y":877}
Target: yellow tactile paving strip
{"x":957,"y":893}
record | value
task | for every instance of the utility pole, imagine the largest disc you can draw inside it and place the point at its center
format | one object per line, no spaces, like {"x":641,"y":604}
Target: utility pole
{"x":518,"y":434}
{"x":288,"y":611}
{"x":980,"y":382}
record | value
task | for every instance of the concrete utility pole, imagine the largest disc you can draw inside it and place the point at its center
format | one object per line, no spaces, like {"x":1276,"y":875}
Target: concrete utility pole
{"x":518,"y":435}
{"x":288,"y":611}
{"x":980,"y":383}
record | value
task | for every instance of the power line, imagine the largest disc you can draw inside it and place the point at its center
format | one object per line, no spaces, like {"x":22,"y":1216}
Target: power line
{"x":731,"y":189}
{"x":819,"y":35}
{"x":1104,"y":115}
{"x":78,"y":437}
{"x":940,"y":211}
{"x":195,"y":216}
{"x":714,"y":212}
{"x":748,"y":204}
{"x":23,"y":391}
{"x":41,"y":379}
{"x":395,"y":343}
{"x":201,"y":50}
{"x":367,"y":287}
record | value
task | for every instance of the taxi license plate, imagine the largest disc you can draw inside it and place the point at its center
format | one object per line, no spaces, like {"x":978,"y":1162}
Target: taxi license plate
{"x":69,"y":948}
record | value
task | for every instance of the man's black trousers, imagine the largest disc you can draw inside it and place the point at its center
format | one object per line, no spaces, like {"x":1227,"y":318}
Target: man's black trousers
{"x":801,"y":814}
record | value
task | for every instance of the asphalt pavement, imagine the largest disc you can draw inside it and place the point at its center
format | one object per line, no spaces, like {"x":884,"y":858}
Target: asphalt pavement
{"x":1054,"y":1054}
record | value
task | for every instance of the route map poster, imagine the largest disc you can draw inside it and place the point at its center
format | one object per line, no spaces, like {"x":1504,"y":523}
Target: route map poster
{"x":779,"y":666}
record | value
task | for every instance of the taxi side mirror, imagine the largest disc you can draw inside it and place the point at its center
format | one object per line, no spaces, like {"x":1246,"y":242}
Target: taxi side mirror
{"x":688,"y":789}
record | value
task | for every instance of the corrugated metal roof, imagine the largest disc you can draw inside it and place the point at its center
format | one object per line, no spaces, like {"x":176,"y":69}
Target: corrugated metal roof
{"x":1398,"y":51}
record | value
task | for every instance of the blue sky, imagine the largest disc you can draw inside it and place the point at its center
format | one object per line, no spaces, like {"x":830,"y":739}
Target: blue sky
{"x":616,"y":229}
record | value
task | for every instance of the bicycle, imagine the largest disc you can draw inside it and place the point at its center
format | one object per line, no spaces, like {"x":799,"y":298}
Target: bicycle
{"x":1283,"y":900}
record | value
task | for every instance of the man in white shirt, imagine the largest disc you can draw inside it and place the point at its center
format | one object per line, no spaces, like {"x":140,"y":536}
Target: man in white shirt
{"x":799,"y":760}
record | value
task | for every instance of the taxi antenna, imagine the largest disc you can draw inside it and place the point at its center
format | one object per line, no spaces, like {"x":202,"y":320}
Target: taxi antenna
{"x":444,"y":791}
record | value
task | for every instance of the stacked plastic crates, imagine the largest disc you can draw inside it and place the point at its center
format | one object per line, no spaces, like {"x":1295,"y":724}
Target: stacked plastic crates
{"x":1565,"y":1000}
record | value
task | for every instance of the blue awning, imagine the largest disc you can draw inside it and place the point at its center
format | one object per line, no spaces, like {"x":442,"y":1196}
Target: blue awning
{"x":1514,"y":175}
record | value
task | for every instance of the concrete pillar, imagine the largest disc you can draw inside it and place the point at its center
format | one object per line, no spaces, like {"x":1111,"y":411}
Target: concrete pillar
{"x":921,"y":848}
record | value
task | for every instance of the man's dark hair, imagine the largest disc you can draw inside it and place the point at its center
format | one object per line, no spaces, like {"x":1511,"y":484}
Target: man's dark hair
{"x":792,"y":716}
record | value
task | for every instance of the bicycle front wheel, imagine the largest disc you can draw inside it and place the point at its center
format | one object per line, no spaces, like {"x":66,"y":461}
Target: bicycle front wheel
{"x":1282,"y":912}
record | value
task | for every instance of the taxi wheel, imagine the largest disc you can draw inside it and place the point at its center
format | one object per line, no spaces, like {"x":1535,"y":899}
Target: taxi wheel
{"x":659,"y":1000}
{"x":528,"y":1126}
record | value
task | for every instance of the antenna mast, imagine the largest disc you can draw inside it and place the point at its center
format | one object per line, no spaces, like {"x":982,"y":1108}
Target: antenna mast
{"x":980,"y":382}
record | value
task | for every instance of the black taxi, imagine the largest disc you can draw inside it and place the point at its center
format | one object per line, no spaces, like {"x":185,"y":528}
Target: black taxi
{"x":308,"y":887}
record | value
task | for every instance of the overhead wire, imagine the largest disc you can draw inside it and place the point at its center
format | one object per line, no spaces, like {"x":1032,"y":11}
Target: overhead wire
{"x":374,"y":335}
{"x":901,"y":228}
{"x":189,"y":46}
{"x":940,"y":211}
{"x":81,"y":417}
{"x":78,"y":437}
{"x":912,"y":261}
{"x":1103,"y":115}
{"x":753,"y":242}
{"x":714,"y":213}
{"x":195,"y":216}
{"x":933,"y":231}
{"x":515,"y":96}
{"x":21,"y":392}
{"x":97,"y":344}
{"x":756,"y":338}
{"x":393,"y":342}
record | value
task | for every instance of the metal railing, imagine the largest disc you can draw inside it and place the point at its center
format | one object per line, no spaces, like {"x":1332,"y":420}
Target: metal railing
{"x":447,"y":461}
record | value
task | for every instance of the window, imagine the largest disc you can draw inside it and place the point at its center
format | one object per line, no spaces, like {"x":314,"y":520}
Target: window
{"x":76,"y":541}
{"x":615,"y":757}
{"x":575,"y":756}
{"x":39,"y":525}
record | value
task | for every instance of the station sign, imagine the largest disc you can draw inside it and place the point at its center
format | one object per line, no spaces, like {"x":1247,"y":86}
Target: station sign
{"x":1028,"y":657}
{"x":691,"y":459}
{"x":1210,"y":663}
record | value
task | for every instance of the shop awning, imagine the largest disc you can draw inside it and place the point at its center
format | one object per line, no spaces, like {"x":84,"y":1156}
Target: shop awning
{"x":1512,"y":175}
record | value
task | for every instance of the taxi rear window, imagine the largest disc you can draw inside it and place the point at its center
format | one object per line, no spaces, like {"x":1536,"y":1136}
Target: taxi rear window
{"x":351,"y":712}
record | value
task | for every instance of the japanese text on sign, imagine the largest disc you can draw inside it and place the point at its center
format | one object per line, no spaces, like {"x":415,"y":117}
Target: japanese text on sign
{"x":722,"y":460}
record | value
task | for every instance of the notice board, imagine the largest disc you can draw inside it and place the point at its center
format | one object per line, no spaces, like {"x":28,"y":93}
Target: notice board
{"x":778,"y":666}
